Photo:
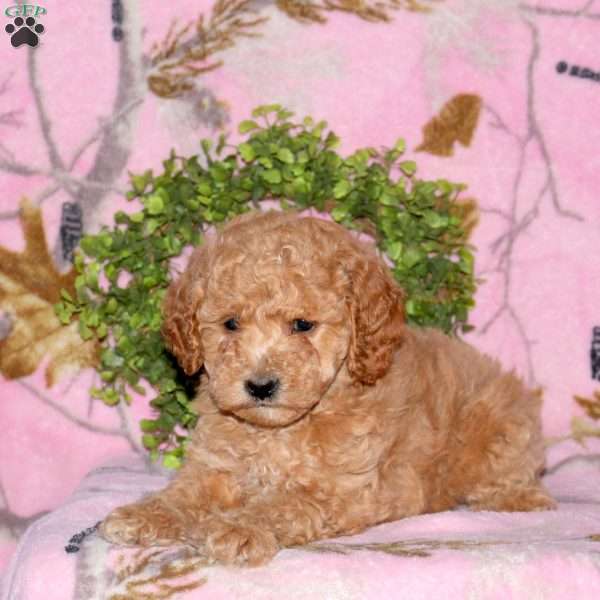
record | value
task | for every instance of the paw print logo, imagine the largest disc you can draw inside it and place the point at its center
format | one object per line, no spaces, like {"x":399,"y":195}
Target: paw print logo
{"x":24,"y":31}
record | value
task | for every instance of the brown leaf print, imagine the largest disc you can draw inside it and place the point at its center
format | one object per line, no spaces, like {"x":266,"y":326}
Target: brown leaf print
{"x":30,"y":285}
{"x":368,"y":10}
{"x":188,"y":51}
{"x":467,"y":210}
{"x":157,"y":575}
{"x":590,"y":405}
{"x":456,"y":122}
{"x":582,"y":429}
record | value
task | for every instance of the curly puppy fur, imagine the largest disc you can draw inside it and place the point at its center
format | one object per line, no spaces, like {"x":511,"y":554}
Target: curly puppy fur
{"x":363,"y":419}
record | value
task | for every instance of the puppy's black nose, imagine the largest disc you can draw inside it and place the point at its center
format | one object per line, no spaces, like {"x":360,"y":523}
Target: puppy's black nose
{"x":262,"y":389}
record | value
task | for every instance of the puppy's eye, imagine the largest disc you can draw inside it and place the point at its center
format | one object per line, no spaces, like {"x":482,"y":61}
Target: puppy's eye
{"x":231,"y":324}
{"x":301,"y":325}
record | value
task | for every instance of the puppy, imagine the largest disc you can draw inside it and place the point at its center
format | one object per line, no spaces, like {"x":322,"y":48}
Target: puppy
{"x":321,"y":412}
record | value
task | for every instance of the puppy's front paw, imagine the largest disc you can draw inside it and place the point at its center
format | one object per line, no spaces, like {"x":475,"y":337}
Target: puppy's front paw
{"x":239,"y":544}
{"x":147,"y":523}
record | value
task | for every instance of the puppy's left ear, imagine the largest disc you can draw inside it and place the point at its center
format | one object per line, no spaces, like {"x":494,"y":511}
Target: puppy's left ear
{"x":377,"y":313}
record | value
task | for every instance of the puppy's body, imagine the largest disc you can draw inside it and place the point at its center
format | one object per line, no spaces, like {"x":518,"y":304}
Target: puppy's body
{"x":361,"y":419}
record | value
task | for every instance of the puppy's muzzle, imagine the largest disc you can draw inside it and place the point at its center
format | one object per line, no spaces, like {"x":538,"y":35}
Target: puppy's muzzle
{"x":261,"y":389}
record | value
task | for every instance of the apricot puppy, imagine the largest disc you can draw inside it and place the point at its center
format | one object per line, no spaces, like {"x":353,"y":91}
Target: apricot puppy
{"x":321,"y":412}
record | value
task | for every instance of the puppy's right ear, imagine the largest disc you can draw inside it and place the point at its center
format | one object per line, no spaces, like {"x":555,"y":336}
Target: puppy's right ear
{"x":184,"y":297}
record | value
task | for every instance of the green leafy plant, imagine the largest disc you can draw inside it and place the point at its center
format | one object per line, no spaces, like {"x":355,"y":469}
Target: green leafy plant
{"x":123,"y":271}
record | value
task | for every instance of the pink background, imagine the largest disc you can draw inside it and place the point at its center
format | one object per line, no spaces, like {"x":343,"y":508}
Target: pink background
{"x":373,"y":83}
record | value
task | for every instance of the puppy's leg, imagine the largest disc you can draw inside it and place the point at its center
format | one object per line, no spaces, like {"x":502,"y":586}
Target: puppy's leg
{"x":254,"y":534}
{"x":172,"y":515}
{"x":149,"y":522}
{"x":498,"y":451}
{"x":200,"y":508}
{"x":236,"y":538}
{"x":227,"y":537}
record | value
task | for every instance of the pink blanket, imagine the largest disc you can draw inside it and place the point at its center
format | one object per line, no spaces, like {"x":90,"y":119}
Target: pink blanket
{"x":499,"y":94}
{"x":460,"y":554}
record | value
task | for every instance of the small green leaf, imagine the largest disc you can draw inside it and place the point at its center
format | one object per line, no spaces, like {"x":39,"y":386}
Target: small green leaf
{"x":151,"y":226}
{"x":400,"y":145}
{"x":111,"y":306}
{"x":410,"y":307}
{"x":149,"y":442}
{"x":204,"y":188}
{"x":148,"y":425}
{"x":408,"y":167}
{"x":110,"y":397}
{"x":64,"y":312}
{"x":91,"y":275}
{"x":302,"y":157}
{"x":332,"y":141}
{"x":466,"y":261}
{"x":342,"y":188}
{"x":107,"y":376}
{"x":394,"y":250}
{"x":102,"y":331}
{"x":318,"y":129}
{"x":266,"y":162}
{"x":272,"y":175}
{"x":411,"y":257}
{"x":170,"y":461}
{"x":247,"y":152}
{"x":339,"y":213}
{"x":247,"y":125}
{"x":264,"y":110}
{"x":65,"y":295}
{"x":435,"y":220}
{"x":285,"y":155}
{"x":221,"y":143}
{"x":445,"y":186}
{"x":388,"y":200}
{"x":284,"y":115}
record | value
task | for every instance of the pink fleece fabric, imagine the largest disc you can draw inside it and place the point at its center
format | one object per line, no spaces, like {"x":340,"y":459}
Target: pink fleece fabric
{"x":77,"y":114}
{"x":460,"y":554}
